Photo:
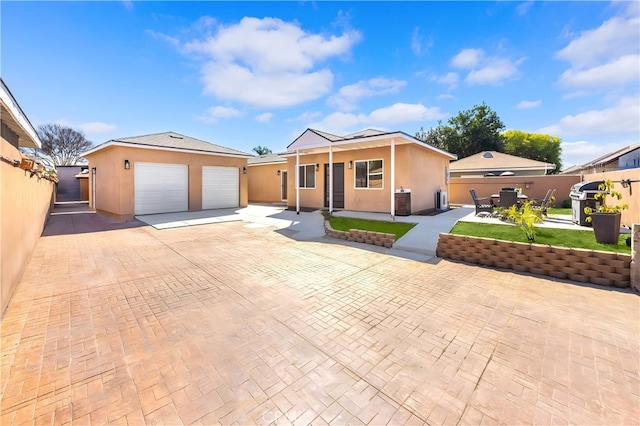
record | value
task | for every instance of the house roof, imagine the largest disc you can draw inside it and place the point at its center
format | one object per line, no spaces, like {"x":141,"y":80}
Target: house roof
{"x":316,"y":141}
{"x":266,"y":159}
{"x":487,"y":161}
{"x":612,"y":156}
{"x":13,"y":116}
{"x":171,"y":141}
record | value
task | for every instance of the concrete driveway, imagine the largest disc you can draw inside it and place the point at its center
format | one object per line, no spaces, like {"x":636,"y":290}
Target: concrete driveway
{"x":229,"y":323}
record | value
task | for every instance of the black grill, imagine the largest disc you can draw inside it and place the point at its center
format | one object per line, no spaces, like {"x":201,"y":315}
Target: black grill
{"x":583,"y":195}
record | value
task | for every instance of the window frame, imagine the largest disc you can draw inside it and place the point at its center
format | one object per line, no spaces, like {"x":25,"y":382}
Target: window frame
{"x":369,"y":174}
{"x":302,"y":177}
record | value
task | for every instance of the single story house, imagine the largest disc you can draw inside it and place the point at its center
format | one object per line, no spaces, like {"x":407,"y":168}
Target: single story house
{"x":162,"y":173}
{"x":267,"y":176}
{"x":493,"y":163}
{"x":372,"y":171}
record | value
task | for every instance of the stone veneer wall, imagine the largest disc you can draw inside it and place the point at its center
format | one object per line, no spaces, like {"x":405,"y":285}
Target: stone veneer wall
{"x":368,"y":237}
{"x":589,"y":266}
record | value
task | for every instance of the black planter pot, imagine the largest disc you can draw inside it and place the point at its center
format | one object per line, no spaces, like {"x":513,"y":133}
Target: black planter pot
{"x":606,"y":226}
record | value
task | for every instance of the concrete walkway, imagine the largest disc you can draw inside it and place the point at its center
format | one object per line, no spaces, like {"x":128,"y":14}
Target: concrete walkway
{"x":234,"y":323}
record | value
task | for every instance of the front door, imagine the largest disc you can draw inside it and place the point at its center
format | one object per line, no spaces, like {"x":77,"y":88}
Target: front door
{"x":283,"y":185}
{"x":338,"y":185}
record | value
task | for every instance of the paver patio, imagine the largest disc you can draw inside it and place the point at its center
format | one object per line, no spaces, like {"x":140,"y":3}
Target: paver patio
{"x":230,"y":324}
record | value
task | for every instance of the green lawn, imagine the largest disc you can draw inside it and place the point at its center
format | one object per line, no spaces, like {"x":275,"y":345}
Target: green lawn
{"x":552,"y":211}
{"x":347,"y":223}
{"x":551,"y":236}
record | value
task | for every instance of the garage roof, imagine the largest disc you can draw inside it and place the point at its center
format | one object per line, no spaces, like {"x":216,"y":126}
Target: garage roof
{"x":171,"y":141}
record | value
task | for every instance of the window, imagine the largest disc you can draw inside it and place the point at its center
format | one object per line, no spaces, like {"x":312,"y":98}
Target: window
{"x":369,"y":174}
{"x":307,"y":175}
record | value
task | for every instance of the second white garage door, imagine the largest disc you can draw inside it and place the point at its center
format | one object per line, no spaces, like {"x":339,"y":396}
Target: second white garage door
{"x":220,"y":187}
{"x":161,"y":188}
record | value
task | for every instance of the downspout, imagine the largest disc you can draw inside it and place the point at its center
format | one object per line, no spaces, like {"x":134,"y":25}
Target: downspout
{"x":330,"y":178}
{"x":393,"y":179}
{"x":297,"y":181}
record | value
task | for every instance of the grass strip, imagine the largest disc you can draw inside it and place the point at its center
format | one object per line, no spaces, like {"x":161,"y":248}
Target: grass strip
{"x":551,"y":236}
{"x":347,"y":223}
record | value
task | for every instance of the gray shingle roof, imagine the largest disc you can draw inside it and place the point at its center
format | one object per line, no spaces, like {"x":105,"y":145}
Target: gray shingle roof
{"x":266,"y":159}
{"x":178,"y":141}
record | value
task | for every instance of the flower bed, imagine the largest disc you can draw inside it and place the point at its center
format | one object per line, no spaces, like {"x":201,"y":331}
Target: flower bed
{"x":589,"y":266}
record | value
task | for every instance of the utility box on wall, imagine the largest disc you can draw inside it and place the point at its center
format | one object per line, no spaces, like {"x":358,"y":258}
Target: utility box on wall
{"x":403,"y":202}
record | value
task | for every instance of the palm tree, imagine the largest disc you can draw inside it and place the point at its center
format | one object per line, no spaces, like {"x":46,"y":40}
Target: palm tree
{"x":261,"y":150}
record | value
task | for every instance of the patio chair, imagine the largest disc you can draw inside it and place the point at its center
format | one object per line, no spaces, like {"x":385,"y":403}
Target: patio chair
{"x":483,"y":204}
{"x":543,"y":204}
{"x":508,"y":198}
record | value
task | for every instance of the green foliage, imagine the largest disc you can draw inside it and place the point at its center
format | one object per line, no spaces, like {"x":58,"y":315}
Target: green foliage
{"x":566,"y":204}
{"x":607,"y":187}
{"x":534,"y":146}
{"x":550,"y":236}
{"x":347,"y":223}
{"x":468,"y":133}
{"x":261,"y":150}
{"x":525,"y":217}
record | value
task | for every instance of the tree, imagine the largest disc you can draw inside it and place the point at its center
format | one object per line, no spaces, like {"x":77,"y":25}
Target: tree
{"x":261,"y":150}
{"x":534,"y":146}
{"x":468,"y":133}
{"x":62,"y":144}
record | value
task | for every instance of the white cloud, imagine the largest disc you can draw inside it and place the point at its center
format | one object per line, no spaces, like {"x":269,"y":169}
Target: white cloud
{"x":523,"y":8}
{"x":581,"y":152}
{"x":605,"y":57}
{"x":97,"y":127}
{"x":621,"y":119}
{"x":268,"y":62}
{"x":168,"y":39}
{"x":620,"y":71}
{"x":214,"y":113}
{"x":347,"y":96}
{"x":417,"y":42}
{"x":484,"y":69}
{"x":264,"y":118}
{"x":467,"y":58}
{"x":341,"y":123}
{"x":493,"y":71}
{"x":528,"y":104}
{"x":451,"y":79}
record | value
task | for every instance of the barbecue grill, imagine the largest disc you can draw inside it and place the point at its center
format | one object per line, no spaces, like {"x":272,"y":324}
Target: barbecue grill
{"x":582,"y":195}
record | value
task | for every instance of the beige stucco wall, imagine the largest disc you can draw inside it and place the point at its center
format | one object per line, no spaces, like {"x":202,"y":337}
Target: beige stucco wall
{"x":24,"y":208}
{"x":264,"y":182}
{"x":417,"y":168}
{"x":532,"y":186}
{"x":115,"y":186}
{"x":630,"y":196}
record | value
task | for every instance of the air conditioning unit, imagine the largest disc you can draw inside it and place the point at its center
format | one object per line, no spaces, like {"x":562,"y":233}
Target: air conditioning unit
{"x":442,"y":201}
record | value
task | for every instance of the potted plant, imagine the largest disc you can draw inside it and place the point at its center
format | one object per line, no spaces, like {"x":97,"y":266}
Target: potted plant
{"x":606,"y":217}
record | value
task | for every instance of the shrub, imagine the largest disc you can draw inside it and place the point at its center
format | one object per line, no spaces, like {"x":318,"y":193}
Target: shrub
{"x":525,"y":217}
{"x":566,"y":204}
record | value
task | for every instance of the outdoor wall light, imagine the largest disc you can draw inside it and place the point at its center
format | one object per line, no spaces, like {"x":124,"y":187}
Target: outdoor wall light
{"x":278,"y":172}
{"x":127,"y":165}
{"x":350,"y":164}
{"x":244,"y":170}
{"x":317,"y":167}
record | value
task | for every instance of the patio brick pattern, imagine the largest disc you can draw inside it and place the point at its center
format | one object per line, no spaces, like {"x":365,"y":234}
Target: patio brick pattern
{"x":227,"y":324}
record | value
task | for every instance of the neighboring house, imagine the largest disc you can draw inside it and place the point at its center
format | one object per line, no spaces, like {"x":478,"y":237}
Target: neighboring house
{"x":267,"y":176}
{"x":493,"y":163}
{"x":365,"y":171}
{"x":26,"y":197}
{"x":162,"y":173}
{"x":622,"y":159}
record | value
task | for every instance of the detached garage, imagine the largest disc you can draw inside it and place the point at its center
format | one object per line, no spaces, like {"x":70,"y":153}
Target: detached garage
{"x":163,"y":173}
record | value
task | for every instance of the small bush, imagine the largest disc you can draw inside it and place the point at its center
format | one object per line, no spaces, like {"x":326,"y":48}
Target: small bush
{"x":566,"y":204}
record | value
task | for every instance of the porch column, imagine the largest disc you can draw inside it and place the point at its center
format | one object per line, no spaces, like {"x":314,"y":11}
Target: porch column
{"x":393,"y":179}
{"x":330,"y":178}
{"x":297,"y":181}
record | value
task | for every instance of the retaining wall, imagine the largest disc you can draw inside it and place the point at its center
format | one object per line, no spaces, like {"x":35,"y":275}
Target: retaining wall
{"x":367,"y":237}
{"x":588,"y":266}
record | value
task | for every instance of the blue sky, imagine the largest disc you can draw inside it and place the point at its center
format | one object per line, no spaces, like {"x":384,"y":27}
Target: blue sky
{"x":242,"y":74}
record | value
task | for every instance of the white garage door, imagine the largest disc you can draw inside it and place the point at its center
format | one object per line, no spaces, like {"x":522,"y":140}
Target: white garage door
{"x":220,"y":187}
{"x":161,"y":188}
